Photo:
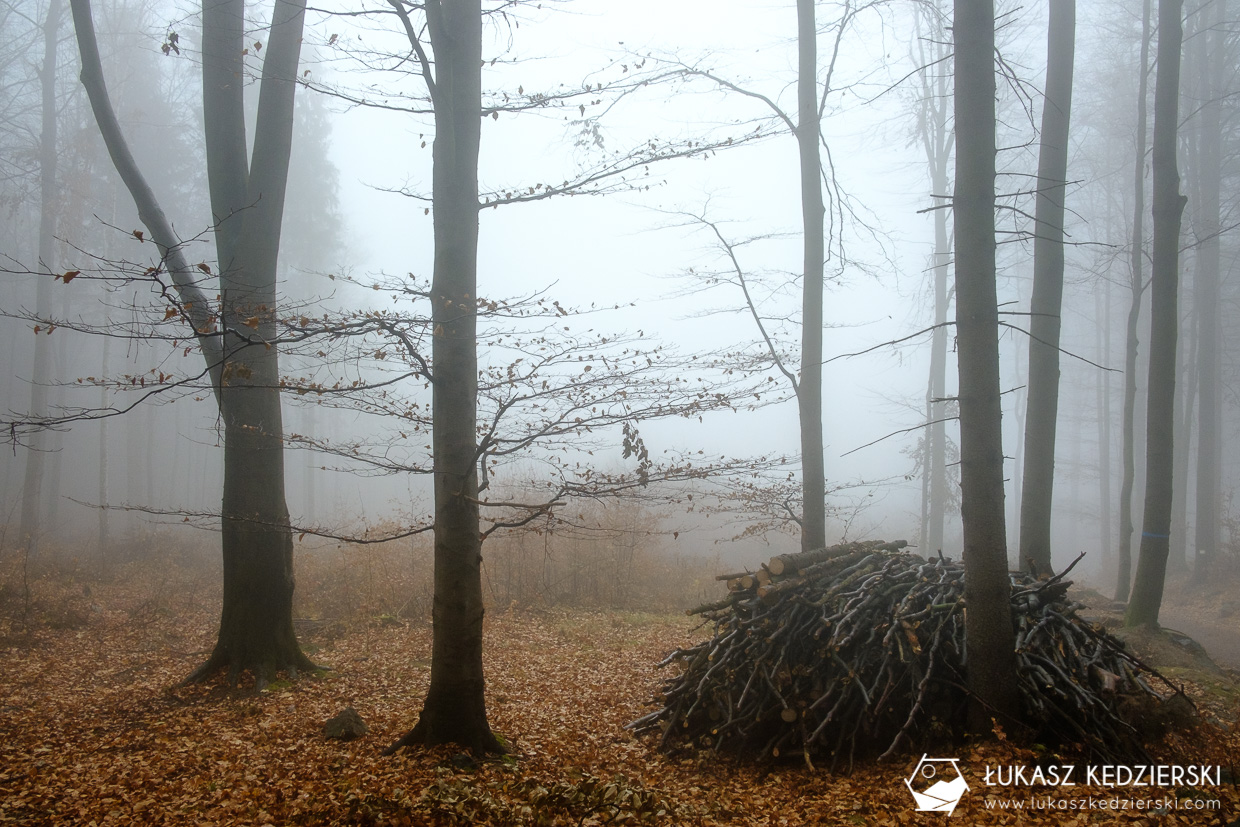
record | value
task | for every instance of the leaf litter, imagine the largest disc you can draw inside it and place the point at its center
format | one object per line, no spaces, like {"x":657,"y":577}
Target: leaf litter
{"x":94,"y":730}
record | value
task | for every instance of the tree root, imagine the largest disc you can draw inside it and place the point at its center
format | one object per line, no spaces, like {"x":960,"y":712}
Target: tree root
{"x":481,"y":743}
{"x":264,"y":671}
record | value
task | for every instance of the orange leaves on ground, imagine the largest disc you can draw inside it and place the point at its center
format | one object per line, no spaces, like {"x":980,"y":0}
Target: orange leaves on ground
{"x":93,"y":730}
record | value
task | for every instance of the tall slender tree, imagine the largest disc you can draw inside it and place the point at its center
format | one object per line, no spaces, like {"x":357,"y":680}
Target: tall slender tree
{"x":1045,"y":306}
{"x":33,"y":485}
{"x":1136,"y":259}
{"x":1168,"y":206}
{"x":937,"y":140}
{"x":455,"y":706}
{"x":1209,"y":366}
{"x":988,"y":622}
{"x":813,"y":213}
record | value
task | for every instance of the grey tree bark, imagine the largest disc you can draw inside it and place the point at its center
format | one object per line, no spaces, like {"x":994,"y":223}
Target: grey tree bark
{"x":1209,"y":367}
{"x":33,"y":484}
{"x":1123,"y":582}
{"x":455,"y":706}
{"x":988,"y":622}
{"x":247,"y":200}
{"x":256,"y":630}
{"x":813,"y":214}
{"x":1168,"y":206}
{"x":1185,"y":411}
{"x":937,"y":142}
{"x":1103,"y":389}
{"x":1045,"y":306}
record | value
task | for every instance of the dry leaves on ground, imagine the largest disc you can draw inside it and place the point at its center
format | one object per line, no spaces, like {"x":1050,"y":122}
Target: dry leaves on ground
{"x":94,"y":731}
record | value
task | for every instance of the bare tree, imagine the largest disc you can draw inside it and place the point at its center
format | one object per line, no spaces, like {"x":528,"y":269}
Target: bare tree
{"x":1123,"y":582}
{"x":247,"y":201}
{"x":819,"y":228}
{"x":988,"y":623}
{"x":1045,"y":306}
{"x":455,"y":706}
{"x":235,"y":336}
{"x":1209,"y":367}
{"x":813,"y":213}
{"x":33,"y":486}
{"x":1168,"y":206}
{"x":938,"y":140}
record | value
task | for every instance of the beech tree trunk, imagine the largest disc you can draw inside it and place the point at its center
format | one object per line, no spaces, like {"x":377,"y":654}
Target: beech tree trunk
{"x":247,"y":200}
{"x":455,"y":707}
{"x":247,"y":195}
{"x":988,"y":622}
{"x":1103,"y":389}
{"x":1048,"y":262}
{"x":1210,"y":377}
{"x":1177,"y":557}
{"x":813,"y":213}
{"x":32,"y":485}
{"x":1168,"y":206}
{"x":1123,"y":581}
{"x":937,"y":141}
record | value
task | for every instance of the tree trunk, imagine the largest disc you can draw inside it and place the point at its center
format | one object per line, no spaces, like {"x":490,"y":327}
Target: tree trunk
{"x":1210,"y":378}
{"x":1168,"y":205}
{"x":813,"y":213}
{"x":32,"y":486}
{"x":937,"y":141}
{"x":103,"y":523}
{"x":455,"y":706}
{"x":1177,"y":558}
{"x":256,"y":621}
{"x":1103,"y":377}
{"x":988,"y":622}
{"x":1044,"y":325}
{"x":256,"y":629}
{"x":1123,"y":582}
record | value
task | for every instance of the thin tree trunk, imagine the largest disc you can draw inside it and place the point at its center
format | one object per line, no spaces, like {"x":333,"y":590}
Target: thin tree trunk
{"x":923,"y":534}
{"x":1020,"y":406}
{"x":455,"y":706}
{"x":1048,"y":263}
{"x":103,"y":522}
{"x":988,"y":623}
{"x":1123,"y":582}
{"x":1210,"y":414}
{"x":1168,"y":205}
{"x":937,"y":142}
{"x":32,"y":487}
{"x":938,"y":385}
{"x":1177,"y":559}
{"x":1103,"y":344}
{"x":813,"y":214}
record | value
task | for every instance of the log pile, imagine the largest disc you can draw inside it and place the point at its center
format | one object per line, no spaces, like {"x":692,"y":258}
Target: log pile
{"x":858,"y":650}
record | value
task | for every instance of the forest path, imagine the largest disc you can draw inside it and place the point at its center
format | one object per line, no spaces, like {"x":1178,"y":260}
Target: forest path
{"x":1221,"y":639}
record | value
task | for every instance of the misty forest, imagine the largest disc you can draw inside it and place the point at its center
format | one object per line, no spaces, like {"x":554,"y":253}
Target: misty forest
{"x":577,"y":412}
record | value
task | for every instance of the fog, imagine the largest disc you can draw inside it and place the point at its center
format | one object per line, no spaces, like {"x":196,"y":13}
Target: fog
{"x":136,"y":429}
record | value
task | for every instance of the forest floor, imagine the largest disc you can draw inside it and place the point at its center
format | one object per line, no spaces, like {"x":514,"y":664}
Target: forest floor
{"x":95,"y":730}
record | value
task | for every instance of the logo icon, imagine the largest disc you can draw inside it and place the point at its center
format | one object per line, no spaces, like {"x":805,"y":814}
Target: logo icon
{"x":937,"y":785}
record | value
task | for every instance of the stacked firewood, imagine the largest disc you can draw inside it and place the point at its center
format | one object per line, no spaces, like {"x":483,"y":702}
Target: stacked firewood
{"x":859,"y":649}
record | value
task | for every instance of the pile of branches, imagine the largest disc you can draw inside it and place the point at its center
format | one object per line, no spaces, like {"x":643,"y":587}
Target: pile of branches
{"x":848,"y":651}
